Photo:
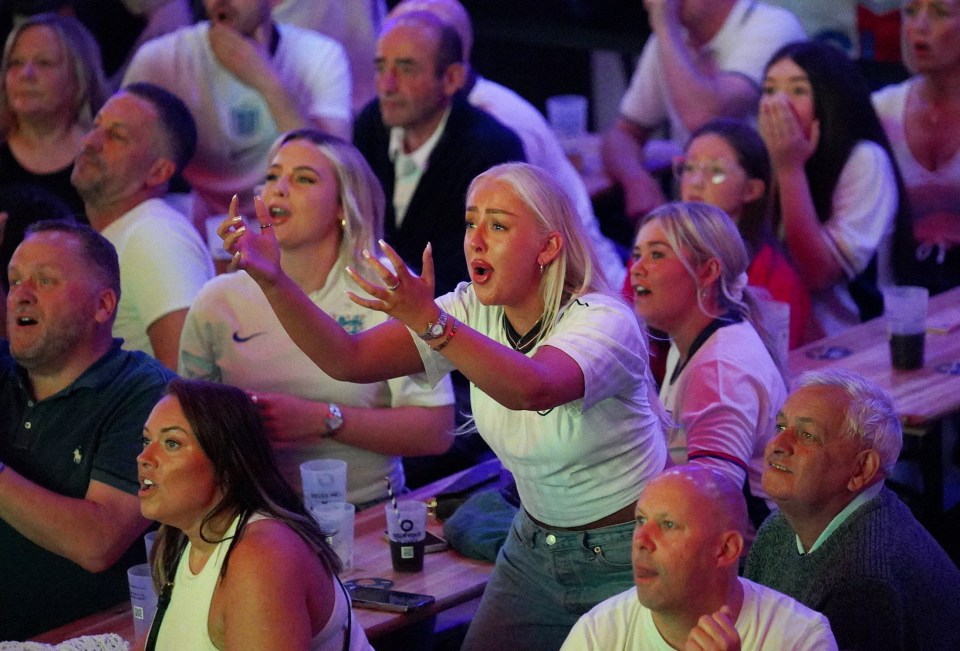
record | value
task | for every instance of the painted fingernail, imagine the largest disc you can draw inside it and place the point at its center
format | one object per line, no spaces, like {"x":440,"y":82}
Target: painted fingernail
{"x":366,"y":253}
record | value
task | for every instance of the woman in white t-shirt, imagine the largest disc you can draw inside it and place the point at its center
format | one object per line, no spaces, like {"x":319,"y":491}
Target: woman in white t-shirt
{"x":326,"y":208}
{"x":838,"y":189}
{"x":921,"y":116}
{"x":724,"y":383}
{"x":559,"y":386}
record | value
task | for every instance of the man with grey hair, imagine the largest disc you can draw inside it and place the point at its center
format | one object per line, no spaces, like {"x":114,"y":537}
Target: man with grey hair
{"x":540,"y":143}
{"x":842,"y":543}
{"x":686,"y":547}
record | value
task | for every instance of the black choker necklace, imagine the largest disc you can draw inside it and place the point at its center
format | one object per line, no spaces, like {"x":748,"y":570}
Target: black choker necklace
{"x":525,"y":342}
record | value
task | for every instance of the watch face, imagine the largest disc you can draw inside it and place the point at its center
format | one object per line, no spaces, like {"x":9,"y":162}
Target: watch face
{"x":436,"y":330}
{"x":334,"y":418}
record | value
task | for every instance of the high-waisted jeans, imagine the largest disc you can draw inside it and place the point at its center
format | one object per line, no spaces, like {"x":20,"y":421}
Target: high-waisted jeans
{"x":544,"y":580}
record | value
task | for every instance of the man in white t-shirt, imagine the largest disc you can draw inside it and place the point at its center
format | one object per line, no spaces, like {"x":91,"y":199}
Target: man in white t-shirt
{"x":141,"y":138}
{"x":686,"y":549}
{"x":704,"y":59}
{"x":246,"y":79}
{"x":353,"y":23}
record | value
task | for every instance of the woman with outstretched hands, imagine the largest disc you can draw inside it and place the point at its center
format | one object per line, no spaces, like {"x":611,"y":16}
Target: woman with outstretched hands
{"x":560,"y":386}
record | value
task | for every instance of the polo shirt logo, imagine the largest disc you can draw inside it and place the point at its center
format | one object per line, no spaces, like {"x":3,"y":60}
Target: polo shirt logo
{"x":77,"y":457}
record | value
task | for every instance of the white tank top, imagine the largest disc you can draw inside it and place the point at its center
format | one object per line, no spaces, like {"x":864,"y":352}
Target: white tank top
{"x":184,"y":625}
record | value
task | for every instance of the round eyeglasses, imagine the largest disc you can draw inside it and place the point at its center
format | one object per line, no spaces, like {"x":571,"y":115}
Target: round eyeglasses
{"x":712,"y":171}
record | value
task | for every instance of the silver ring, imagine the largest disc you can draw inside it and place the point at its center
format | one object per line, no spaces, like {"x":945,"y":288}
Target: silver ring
{"x":263,"y":226}
{"x":394,"y":287}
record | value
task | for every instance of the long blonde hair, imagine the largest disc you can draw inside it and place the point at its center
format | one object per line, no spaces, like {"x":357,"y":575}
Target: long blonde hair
{"x":361,"y":196}
{"x":698,"y":232}
{"x":83,"y":55}
{"x":575,"y":271}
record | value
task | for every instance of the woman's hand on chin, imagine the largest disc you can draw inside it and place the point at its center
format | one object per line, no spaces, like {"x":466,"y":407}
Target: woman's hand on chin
{"x":403,"y":294}
{"x":255,"y":252}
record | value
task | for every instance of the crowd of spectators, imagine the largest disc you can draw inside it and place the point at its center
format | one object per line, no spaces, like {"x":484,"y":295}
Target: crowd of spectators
{"x":414,"y":277}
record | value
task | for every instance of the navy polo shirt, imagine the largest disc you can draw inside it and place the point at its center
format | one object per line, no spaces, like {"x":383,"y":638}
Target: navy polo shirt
{"x":92,"y":429}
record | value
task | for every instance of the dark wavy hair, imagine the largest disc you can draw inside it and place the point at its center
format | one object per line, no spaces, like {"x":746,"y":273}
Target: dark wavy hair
{"x":227,"y":424}
{"x":841,"y":103}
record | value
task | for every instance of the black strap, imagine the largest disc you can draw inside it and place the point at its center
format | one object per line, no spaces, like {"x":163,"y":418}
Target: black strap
{"x":727,"y":319}
{"x":164,"y":601}
{"x":346,"y":636}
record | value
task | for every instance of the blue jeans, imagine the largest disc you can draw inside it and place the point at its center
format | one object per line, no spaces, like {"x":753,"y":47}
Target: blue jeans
{"x":545,"y":580}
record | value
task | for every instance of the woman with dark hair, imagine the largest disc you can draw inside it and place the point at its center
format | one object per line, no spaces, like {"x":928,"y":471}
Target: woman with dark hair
{"x":51,"y":86}
{"x":238,"y":560}
{"x":725,"y":164}
{"x":839,"y":191}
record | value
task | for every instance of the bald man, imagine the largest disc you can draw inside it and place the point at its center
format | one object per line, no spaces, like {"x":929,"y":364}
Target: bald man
{"x":686,"y":547}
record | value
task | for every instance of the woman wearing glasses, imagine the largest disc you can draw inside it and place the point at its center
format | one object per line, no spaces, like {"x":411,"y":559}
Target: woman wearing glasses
{"x":725,"y":164}
{"x":723,"y":384}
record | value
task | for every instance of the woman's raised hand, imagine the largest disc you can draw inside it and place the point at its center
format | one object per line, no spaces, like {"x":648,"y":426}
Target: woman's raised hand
{"x":783,"y":134}
{"x":256,"y":252}
{"x":403,"y":295}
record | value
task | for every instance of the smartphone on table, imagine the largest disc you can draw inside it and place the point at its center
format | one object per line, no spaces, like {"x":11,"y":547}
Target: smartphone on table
{"x":395,"y":601}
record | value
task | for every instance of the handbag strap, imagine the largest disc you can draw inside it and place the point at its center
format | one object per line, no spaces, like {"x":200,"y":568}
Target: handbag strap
{"x":346,"y":635}
{"x":164,"y":601}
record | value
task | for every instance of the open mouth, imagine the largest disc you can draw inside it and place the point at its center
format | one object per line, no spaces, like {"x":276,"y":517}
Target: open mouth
{"x":480,"y":273}
{"x":641,"y":291}
{"x":279,"y":215}
{"x":146,"y":486}
{"x":777,"y":466}
{"x":26,"y":321}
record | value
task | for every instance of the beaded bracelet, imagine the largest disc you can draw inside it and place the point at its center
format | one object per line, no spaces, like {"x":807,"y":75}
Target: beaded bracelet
{"x":449,"y":336}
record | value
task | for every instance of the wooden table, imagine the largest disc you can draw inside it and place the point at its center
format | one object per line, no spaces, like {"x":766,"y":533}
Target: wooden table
{"x":924,"y":397}
{"x":451,"y":578}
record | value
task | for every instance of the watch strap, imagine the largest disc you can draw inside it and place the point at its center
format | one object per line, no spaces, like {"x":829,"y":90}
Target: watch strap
{"x":435,"y":329}
{"x":333,"y":420}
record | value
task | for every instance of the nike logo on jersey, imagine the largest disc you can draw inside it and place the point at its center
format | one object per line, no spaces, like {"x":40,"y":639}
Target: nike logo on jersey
{"x":237,"y":338}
